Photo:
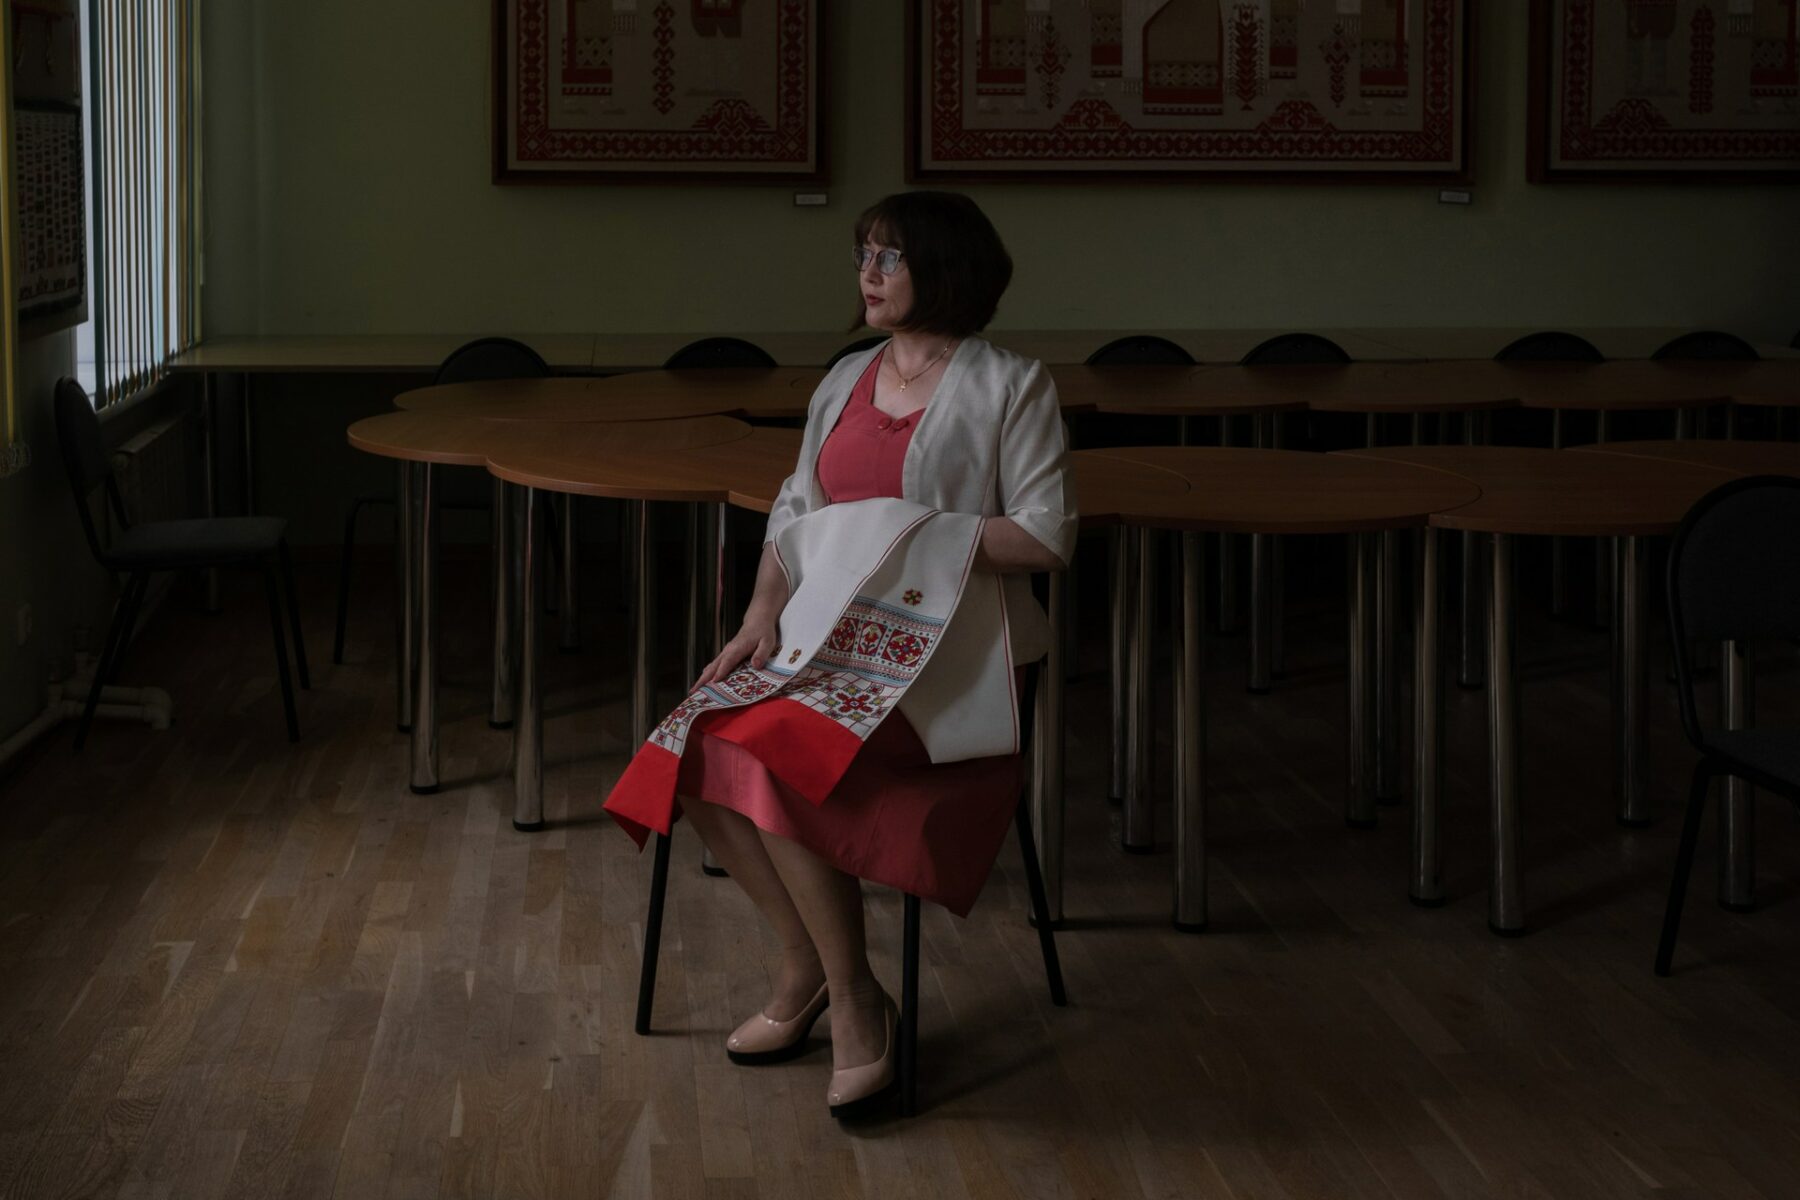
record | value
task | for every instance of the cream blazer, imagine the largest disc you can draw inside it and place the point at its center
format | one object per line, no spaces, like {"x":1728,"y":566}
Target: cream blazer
{"x":991,"y":443}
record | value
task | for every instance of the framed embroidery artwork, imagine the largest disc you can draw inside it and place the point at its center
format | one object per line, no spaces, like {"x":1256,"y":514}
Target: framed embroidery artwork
{"x":666,"y":90}
{"x":1664,"y":89}
{"x":1217,"y":89}
{"x":49,"y":177}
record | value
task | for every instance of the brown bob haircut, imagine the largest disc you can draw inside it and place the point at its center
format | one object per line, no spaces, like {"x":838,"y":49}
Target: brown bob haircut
{"x":958,"y":264}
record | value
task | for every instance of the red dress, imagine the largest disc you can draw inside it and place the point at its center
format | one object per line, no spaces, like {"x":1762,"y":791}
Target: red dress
{"x":896,"y":817}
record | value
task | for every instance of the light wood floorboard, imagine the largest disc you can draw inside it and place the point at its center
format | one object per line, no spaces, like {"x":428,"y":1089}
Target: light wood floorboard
{"x":231,"y":967}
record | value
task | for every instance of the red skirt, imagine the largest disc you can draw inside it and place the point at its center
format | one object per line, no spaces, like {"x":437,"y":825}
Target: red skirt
{"x":896,"y":817}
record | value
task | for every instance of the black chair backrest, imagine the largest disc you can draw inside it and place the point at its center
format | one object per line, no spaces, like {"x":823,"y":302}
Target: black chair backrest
{"x":1296,"y":350}
{"x":491,"y":358}
{"x":1550,"y":345}
{"x":1140,"y":350}
{"x":856,"y":347}
{"x":1734,"y":572}
{"x":1711,"y":344}
{"x":719,"y":352}
{"x":1796,"y":342}
{"x":84,"y":457}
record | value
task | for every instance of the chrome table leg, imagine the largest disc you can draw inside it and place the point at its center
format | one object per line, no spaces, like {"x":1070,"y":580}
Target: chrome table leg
{"x":1190,"y":741}
{"x":1047,"y":794}
{"x":1428,"y":729}
{"x":406,"y":599}
{"x":425,"y":709}
{"x":500,"y":706}
{"x":569,"y":607}
{"x":528,"y":729}
{"x":1387,"y":669}
{"x":1506,"y":885}
{"x":1737,"y":816}
{"x":1631,"y":713}
{"x":1359,"y":792}
{"x":1138,"y":833}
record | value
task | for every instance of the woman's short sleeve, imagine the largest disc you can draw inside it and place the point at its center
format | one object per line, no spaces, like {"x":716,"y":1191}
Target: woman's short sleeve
{"x":1036,"y":490}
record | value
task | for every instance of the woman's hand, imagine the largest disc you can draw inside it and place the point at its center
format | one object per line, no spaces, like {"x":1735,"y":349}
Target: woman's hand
{"x":755,"y":641}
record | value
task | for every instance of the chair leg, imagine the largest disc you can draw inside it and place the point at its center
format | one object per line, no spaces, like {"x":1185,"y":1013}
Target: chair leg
{"x":1040,"y":906}
{"x":293,"y":607}
{"x":110,"y":672}
{"x":343,"y":599}
{"x":1684,"y":861}
{"x":124,"y":616}
{"x":909,"y":1009}
{"x":659,"y":884}
{"x":281,"y":659}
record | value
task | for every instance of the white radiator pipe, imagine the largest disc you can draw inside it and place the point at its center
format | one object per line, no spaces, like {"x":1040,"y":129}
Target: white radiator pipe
{"x":69,"y":697}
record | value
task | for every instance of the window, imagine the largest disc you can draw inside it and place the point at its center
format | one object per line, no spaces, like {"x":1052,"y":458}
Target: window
{"x":143,"y":72}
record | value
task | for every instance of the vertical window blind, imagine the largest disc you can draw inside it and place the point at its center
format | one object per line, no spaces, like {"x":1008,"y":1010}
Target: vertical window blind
{"x":11,"y":449}
{"x":144,"y":84}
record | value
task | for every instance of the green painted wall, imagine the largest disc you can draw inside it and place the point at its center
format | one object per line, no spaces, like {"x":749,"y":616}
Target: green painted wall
{"x":46,"y":559}
{"x":347,"y":189}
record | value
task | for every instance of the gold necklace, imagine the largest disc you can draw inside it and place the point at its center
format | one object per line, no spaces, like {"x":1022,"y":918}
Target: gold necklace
{"x":906,"y":379}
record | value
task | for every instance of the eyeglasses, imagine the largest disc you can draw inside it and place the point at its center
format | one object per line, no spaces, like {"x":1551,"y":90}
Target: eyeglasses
{"x":886,"y":261}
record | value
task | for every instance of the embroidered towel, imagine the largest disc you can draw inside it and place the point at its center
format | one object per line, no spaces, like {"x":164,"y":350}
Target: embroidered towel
{"x":884,"y":612}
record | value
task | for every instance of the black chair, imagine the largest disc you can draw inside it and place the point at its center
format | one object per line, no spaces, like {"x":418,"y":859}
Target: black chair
{"x":1550,"y":345}
{"x":1140,"y":350}
{"x":1734,"y":576}
{"x":908,"y":1030}
{"x":139,"y":551}
{"x":1295,"y":350}
{"x":482,"y":359}
{"x":1709,"y":345}
{"x":719,"y":352}
{"x":856,"y":347}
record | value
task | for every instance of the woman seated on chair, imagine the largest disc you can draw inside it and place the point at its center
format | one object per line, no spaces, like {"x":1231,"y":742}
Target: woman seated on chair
{"x":936,"y":416}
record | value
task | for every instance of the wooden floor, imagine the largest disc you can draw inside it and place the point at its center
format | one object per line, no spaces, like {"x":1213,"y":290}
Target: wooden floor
{"x":234,"y":967}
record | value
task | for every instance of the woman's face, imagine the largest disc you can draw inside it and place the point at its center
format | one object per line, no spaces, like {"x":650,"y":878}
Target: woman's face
{"x":887,"y":299}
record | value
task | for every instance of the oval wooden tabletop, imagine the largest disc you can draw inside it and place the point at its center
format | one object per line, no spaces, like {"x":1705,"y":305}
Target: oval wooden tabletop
{"x":1528,"y":490}
{"x":1426,"y":387}
{"x":1233,"y":490}
{"x":692,"y":460}
{"x":1735,"y":458}
{"x":1642,"y":385}
{"x":426,"y":437}
{"x":636,"y":396}
{"x":1170,"y":391}
{"x":1355,"y":387}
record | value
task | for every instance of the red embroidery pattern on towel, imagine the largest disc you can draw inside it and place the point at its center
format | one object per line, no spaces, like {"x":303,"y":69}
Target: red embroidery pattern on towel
{"x":870,"y":658}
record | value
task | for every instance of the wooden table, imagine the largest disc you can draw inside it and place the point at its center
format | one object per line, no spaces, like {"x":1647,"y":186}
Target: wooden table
{"x":1253,"y":491}
{"x":1733,"y":458}
{"x":1614,"y":386}
{"x":1613,"y":341}
{"x":423,"y":441}
{"x":694,"y":462}
{"x":372,"y":354}
{"x":1536,"y":492}
{"x":642,"y":395}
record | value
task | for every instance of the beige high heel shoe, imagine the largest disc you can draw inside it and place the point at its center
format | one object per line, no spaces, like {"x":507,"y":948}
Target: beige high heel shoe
{"x":856,"y":1090}
{"x":762,"y":1039}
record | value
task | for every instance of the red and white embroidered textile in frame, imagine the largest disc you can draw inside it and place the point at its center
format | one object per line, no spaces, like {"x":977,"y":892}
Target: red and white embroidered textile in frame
{"x":1669,"y":87}
{"x":876,"y":584}
{"x":1190,"y":86}
{"x":699,"y":87}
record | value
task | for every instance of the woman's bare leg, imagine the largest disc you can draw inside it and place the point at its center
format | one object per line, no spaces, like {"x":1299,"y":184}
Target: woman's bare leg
{"x":830,"y":903}
{"x":734,"y":840}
